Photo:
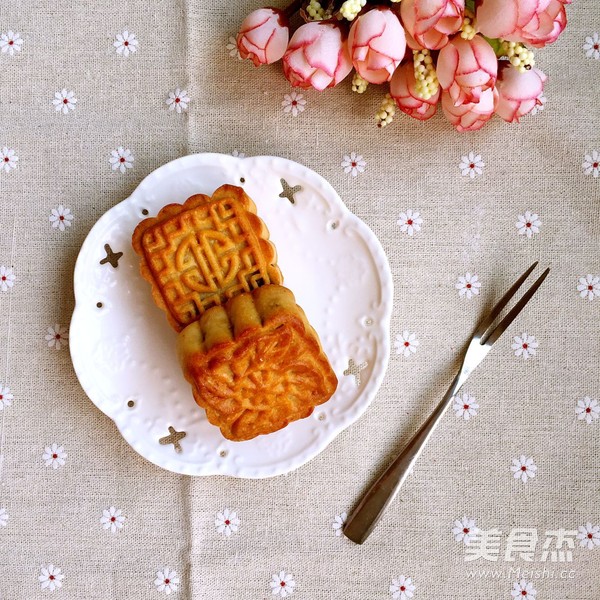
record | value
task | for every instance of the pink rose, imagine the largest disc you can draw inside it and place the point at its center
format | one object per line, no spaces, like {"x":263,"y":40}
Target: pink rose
{"x":402,"y":90}
{"x":317,"y":56}
{"x":466,"y":69}
{"x":377,"y":44}
{"x":535,"y":22}
{"x":519,"y":92}
{"x":430,"y":22}
{"x":471,"y":116}
{"x":263,"y":36}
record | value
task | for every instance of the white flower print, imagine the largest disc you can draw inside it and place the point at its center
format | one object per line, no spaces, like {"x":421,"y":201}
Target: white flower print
{"x":591,"y":163}
{"x":525,"y":345}
{"x":591,"y":46}
{"x":588,"y":410}
{"x":57,"y":336}
{"x":354,"y":164}
{"x":7,"y":278}
{"x":227,"y":522}
{"x":528,"y":224}
{"x":282,"y":584}
{"x":589,"y":536}
{"x":6,"y":397}
{"x":178,"y":100}
{"x":125,"y":43}
{"x":8,"y":159}
{"x":113,"y":519}
{"x":468,"y":286}
{"x":523,"y":590}
{"x":64,"y":101}
{"x":523,"y":468}
{"x":51,"y":577}
{"x":402,"y":588}
{"x":166,"y":580}
{"x":3,"y":517}
{"x":410,"y":222}
{"x":471,"y":165}
{"x":406,"y":343}
{"x":293,"y":103}
{"x":232,"y":48}
{"x":465,"y":406}
{"x":238,"y":154}
{"x":541,"y":104}
{"x":589,"y":286}
{"x":121,"y":159}
{"x":61,"y":217}
{"x":464,"y":529}
{"x":338,"y":523}
{"x":54,"y":456}
{"x":11,"y":42}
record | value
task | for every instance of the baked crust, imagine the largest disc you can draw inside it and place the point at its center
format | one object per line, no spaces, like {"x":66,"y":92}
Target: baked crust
{"x":202,"y":253}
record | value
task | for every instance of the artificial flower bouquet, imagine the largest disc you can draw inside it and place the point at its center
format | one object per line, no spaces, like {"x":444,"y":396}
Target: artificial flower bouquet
{"x":474,"y":57}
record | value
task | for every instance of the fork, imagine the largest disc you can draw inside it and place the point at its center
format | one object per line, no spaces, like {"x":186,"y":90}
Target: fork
{"x":367,"y":513}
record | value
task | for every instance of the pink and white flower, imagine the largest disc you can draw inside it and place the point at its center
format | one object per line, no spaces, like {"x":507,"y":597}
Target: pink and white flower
{"x":402,"y":588}
{"x":471,"y":165}
{"x":6,"y":397}
{"x":525,"y":345}
{"x":471,"y":116}
{"x":54,"y":456}
{"x":377,"y":44}
{"x":293,"y":103}
{"x":528,"y":224}
{"x":354,"y":164}
{"x":57,"y":336}
{"x":11,"y":43}
{"x":410,"y":222}
{"x":121,"y":159}
{"x":125,"y":43}
{"x":523,"y":468}
{"x":7,"y":278}
{"x":464,"y":529}
{"x":227,"y":522}
{"x":589,"y":286}
{"x":406,"y":343}
{"x":592,"y":46}
{"x":465,"y":406}
{"x":8,"y":159}
{"x":518,"y":93}
{"x":51,"y":577}
{"x":589,"y":536}
{"x":591,"y":163}
{"x":61,"y":217}
{"x":3,"y":517}
{"x":588,"y":410}
{"x":263,"y":36}
{"x":317,"y":56}
{"x":113,"y":519}
{"x":534,"y":22}
{"x":429,"y":23}
{"x":468,"y":286}
{"x":466,"y":69}
{"x":338,"y":523}
{"x":178,"y":100}
{"x":523,"y":590}
{"x":166,"y":580}
{"x":282,"y":584}
{"x":403,"y":91}
{"x":64,"y":101}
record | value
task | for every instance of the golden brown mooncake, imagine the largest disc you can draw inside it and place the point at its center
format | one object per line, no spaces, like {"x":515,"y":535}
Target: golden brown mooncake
{"x":255,"y":364}
{"x":201,"y":253}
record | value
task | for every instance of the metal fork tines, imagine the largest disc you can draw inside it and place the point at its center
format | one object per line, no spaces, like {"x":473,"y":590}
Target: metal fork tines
{"x":370,"y":509}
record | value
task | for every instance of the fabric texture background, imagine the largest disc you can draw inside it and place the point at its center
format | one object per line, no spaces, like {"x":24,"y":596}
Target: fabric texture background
{"x":527,"y":407}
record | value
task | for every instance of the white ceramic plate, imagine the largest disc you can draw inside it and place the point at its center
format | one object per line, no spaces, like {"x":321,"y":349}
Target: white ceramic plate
{"x":123,"y":349}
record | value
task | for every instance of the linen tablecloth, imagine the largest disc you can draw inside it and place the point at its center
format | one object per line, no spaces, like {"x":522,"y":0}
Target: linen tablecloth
{"x":84,"y":117}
